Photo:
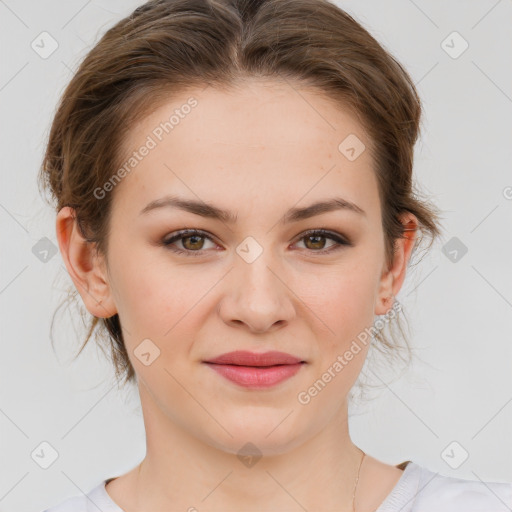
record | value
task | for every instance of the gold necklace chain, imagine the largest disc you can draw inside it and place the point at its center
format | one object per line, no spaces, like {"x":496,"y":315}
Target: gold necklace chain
{"x":355,"y":487}
{"x":357,"y":481}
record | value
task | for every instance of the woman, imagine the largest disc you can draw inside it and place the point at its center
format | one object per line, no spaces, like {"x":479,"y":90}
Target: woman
{"x":233,"y":182}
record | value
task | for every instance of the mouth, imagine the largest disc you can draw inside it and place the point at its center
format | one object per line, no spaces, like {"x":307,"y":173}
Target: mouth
{"x":253,"y":370}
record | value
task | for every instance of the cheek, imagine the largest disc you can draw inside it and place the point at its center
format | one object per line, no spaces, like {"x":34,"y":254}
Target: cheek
{"x":343,"y":299}
{"x":345,"y":304}
{"x":156,"y":303}
{"x":151,"y":293}
{"x":167,"y":303}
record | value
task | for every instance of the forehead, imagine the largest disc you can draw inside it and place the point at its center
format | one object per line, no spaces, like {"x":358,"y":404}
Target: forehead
{"x":249,"y":113}
{"x":260,"y":139}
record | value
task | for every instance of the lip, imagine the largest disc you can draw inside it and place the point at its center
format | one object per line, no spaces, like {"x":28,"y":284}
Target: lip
{"x":246,"y":358}
{"x":256,"y":370}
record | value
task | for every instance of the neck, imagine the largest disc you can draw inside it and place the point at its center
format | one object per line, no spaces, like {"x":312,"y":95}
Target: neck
{"x":183,"y":470}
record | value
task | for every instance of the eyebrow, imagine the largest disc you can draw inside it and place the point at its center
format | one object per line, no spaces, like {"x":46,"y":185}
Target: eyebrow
{"x":213,"y":212}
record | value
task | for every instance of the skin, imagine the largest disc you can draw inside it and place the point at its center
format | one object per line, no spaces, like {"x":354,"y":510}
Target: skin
{"x":256,"y":151}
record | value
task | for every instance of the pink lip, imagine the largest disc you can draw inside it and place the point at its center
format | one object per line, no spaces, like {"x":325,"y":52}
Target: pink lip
{"x":253,"y":370}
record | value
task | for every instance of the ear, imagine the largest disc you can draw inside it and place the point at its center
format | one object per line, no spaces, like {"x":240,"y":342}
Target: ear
{"x":393,"y":278}
{"x":85,"y":266}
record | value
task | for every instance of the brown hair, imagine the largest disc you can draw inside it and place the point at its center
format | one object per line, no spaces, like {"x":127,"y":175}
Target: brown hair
{"x":167,"y":46}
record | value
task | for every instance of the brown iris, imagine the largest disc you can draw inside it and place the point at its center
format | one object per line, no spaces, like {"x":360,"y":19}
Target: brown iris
{"x":194,"y":244}
{"x":315,"y":243}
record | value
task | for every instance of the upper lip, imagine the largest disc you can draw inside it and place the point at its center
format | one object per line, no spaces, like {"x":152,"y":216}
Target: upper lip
{"x":246,"y":358}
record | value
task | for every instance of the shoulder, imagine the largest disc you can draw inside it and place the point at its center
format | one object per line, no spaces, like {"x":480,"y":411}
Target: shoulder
{"x":74,"y":504}
{"x":96,"y":499}
{"x":439,"y":493}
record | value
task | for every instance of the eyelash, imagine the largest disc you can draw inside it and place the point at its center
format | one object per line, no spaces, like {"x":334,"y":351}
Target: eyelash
{"x":186,"y":233}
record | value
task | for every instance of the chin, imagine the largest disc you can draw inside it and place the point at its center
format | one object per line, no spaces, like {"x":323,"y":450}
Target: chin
{"x":264,"y":435}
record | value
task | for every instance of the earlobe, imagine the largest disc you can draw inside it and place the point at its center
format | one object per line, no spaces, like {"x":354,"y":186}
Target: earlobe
{"x":84,"y":265}
{"x":393,"y":278}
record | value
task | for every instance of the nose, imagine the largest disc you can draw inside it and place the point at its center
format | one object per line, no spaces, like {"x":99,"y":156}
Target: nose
{"x":257,"y":296}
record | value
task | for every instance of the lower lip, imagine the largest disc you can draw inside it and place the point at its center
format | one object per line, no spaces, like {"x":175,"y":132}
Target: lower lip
{"x":256,"y":376}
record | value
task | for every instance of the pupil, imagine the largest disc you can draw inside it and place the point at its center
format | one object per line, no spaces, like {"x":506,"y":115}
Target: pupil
{"x":192,"y":237}
{"x":316,"y":237}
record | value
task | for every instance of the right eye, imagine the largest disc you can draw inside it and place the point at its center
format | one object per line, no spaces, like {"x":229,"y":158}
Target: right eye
{"x":190,"y":240}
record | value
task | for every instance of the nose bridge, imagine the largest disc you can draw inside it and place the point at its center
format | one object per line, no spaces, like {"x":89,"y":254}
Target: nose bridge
{"x":257,"y":266}
{"x":257,"y":295}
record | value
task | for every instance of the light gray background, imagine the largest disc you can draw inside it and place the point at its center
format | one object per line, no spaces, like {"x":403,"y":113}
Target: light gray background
{"x":459,"y":312}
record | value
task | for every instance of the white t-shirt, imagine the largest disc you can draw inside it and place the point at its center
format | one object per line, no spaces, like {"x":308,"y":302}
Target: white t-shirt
{"x":418,"y":490}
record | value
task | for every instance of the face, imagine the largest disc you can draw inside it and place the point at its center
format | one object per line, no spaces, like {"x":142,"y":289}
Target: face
{"x":259,"y":278}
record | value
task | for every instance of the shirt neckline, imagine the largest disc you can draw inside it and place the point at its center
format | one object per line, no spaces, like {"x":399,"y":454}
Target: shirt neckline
{"x":401,"y":493}
{"x":396,"y":497}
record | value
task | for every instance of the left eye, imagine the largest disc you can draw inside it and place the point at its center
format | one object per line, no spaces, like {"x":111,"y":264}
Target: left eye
{"x":193,"y":241}
{"x":315,"y":237}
